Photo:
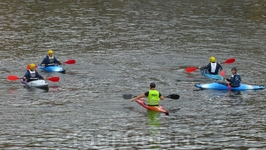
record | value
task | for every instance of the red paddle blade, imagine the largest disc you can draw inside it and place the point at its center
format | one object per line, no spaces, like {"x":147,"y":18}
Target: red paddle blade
{"x":222,"y":73}
{"x":191,"y":69}
{"x":12,"y":78}
{"x":54,"y":79}
{"x":71,"y":61}
{"x":229,"y":61}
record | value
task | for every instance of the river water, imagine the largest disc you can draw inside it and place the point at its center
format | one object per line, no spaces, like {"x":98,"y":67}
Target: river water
{"x":120,"y":47}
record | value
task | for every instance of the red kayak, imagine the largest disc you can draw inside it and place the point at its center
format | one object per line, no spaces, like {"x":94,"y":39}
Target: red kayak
{"x":154,"y":108}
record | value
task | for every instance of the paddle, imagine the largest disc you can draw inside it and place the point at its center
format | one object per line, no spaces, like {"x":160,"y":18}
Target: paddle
{"x":223,"y":74}
{"x":70,"y":61}
{"x":172,"y":96}
{"x":13,"y":78}
{"x":227,"y":61}
{"x":229,"y":87}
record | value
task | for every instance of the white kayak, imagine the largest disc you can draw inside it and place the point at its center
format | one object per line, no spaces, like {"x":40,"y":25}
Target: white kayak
{"x":41,"y":84}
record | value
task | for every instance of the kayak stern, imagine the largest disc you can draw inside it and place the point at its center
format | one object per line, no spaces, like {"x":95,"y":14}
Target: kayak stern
{"x":158,"y":108}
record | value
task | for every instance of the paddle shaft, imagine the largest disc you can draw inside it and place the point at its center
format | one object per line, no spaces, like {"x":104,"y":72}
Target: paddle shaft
{"x":228,"y":61}
{"x":171,"y":96}
{"x":13,"y":78}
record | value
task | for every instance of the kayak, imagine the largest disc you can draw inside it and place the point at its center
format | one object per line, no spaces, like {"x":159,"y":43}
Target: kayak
{"x":41,"y":84}
{"x":158,"y":108}
{"x":54,"y":68}
{"x":220,"y":86}
{"x":212,"y":76}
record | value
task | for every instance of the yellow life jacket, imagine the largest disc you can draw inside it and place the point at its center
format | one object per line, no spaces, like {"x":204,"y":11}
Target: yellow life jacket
{"x":153,"y":97}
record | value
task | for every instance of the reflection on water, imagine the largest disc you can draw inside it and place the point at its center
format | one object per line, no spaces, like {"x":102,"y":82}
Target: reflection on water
{"x":153,"y":121}
{"x":235,"y":98}
{"x":154,"y":128}
{"x":225,"y":98}
{"x":54,"y":88}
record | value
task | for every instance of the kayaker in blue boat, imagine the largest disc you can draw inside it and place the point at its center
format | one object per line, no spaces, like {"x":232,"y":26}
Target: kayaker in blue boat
{"x":153,"y":96}
{"x":32,"y":74}
{"x":213,"y":67}
{"x":235,"y":79}
{"x":50,"y":59}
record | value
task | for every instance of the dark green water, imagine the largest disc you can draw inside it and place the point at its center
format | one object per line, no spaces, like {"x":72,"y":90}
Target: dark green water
{"x":120,"y":47}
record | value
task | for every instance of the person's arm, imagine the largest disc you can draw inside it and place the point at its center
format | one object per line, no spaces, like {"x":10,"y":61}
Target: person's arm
{"x":39,"y":76}
{"x":204,"y":67}
{"x":140,"y":96}
{"x":228,"y":79}
{"x":44,"y":61}
{"x":161,"y":96}
{"x":57,"y":62}
{"x":26,"y":76}
{"x":220,"y":67}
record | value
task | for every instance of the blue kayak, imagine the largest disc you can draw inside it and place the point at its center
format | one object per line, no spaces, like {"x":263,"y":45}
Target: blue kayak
{"x":219,"y":86}
{"x":212,"y":76}
{"x":54,"y":68}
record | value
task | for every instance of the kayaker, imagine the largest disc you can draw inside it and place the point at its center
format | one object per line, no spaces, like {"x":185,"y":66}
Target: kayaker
{"x":32,"y":74}
{"x":235,"y":79}
{"x":153,"y":96}
{"x":50,"y":59}
{"x":213,"y":67}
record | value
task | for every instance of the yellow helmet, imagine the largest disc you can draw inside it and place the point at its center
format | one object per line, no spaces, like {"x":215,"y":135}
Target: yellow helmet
{"x":212,"y":59}
{"x":32,"y":66}
{"x":50,"y":51}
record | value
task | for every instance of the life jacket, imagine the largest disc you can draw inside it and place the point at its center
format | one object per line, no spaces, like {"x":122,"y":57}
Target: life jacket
{"x":33,"y":75}
{"x":51,"y":59}
{"x":153,"y":97}
{"x":235,"y":80}
{"x":213,"y":67}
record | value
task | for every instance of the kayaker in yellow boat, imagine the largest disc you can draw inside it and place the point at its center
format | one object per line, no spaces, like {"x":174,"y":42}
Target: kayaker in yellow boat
{"x":153,"y":96}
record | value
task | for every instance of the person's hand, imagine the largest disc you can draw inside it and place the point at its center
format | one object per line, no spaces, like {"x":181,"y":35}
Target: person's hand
{"x":199,"y":67}
{"x":44,"y":79}
{"x":132,"y":100}
{"x":43,"y":65}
